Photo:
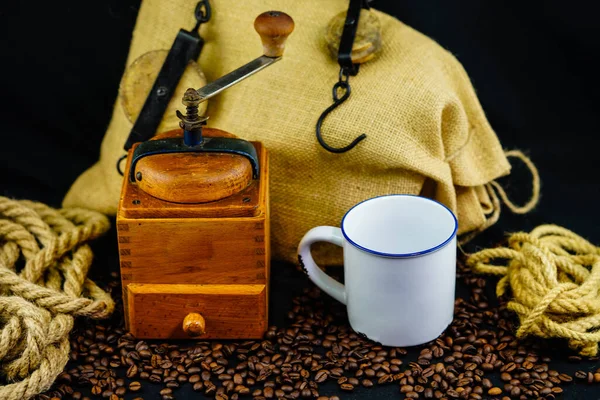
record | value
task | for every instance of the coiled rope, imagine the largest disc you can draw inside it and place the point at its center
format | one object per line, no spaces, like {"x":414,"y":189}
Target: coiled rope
{"x":554,"y":277}
{"x":39,"y":301}
{"x":496,"y":193}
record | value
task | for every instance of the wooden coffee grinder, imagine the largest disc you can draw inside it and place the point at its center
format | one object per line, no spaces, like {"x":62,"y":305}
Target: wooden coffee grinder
{"x":193,"y":221}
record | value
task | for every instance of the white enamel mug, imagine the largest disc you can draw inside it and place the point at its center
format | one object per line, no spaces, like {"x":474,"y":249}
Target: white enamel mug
{"x":399,"y":267}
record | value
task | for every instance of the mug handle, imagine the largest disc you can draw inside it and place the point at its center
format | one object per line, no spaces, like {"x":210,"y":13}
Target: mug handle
{"x":321,"y":279}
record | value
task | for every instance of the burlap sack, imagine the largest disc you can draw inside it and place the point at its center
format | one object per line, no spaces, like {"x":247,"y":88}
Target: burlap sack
{"x":426,"y":131}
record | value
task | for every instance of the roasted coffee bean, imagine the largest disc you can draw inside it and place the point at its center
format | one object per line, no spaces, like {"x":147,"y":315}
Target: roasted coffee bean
{"x":367,"y":383}
{"x":241,"y":389}
{"x":347,"y":387}
{"x":132,"y":371}
{"x":287,"y":388}
{"x":209,"y":388}
{"x":487,"y":367}
{"x":494,"y":391}
{"x":135,"y":386}
{"x":428,"y":393}
{"x":515,"y":392}
{"x":172,"y":384}
{"x":322,"y":376}
{"x":316,"y":346}
{"x":268,"y":392}
{"x":487,"y":384}
{"x":581,"y":375}
{"x":237,"y":379}
{"x":406,"y":388}
{"x":470,"y":366}
{"x":145,"y":353}
{"x":505,"y":376}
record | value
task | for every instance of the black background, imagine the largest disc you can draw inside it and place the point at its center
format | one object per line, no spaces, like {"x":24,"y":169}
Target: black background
{"x":530,"y":62}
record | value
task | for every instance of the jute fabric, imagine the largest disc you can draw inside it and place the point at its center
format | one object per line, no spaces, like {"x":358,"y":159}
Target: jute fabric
{"x":426,"y":131}
{"x":44,"y":262}
{"x":553,"y":279}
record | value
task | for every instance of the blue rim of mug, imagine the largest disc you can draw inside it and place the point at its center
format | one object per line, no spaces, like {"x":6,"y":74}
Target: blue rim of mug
{"x":405,"y":255}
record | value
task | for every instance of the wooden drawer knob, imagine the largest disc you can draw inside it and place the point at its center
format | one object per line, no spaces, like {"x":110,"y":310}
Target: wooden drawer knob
{"x":194,"y":325}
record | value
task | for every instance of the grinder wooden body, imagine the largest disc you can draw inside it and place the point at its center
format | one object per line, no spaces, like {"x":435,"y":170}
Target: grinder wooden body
{"x":193,"y":220}
{"x":211,"y":259}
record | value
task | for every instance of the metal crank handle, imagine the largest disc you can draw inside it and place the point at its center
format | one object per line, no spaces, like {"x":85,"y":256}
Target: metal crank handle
{"x":273,"y":27}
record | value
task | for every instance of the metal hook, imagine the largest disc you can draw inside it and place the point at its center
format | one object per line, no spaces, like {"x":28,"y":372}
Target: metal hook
{"x":345,"y":85}
{"x":119,"y":161}
{"x":202,"y":13}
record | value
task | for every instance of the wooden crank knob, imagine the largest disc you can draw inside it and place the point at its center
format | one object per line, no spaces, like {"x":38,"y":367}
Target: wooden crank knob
{"x":273,"y":27}
{"x":194,"y":325}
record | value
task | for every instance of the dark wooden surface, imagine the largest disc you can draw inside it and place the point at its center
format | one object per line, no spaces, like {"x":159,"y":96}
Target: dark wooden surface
{"x":287,"y":282}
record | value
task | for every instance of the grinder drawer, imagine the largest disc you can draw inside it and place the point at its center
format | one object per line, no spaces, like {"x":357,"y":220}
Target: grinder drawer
{"x":228,"y":311}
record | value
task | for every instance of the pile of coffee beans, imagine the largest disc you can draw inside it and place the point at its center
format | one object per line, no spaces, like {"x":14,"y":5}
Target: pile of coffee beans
{"x":478,"y":357}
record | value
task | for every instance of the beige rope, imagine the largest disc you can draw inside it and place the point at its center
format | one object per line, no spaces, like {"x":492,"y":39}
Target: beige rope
{"x":496,"y":193}
{"x":39,"y":301}
{"x":554,"y":277}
